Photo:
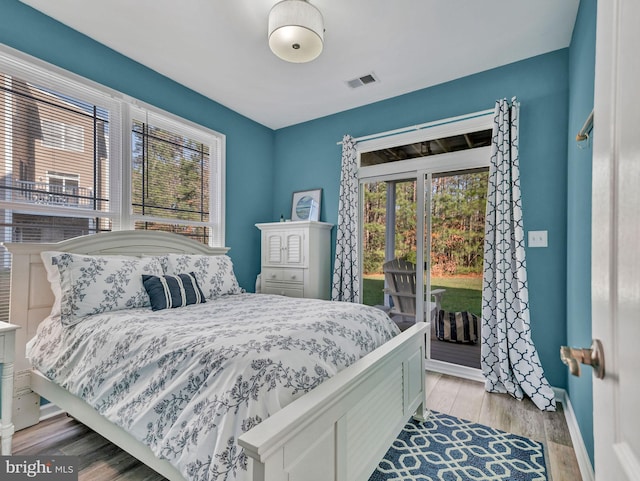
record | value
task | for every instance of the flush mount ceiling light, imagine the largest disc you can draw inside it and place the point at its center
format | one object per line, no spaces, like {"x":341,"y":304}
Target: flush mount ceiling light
{"x":296,"y":31}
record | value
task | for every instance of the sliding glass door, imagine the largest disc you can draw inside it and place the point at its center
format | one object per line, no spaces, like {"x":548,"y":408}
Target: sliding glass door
{"x":422,"y":202}
{"x":455,"y":204}
{"x":422,"y":254}
{"x":389,"y":232}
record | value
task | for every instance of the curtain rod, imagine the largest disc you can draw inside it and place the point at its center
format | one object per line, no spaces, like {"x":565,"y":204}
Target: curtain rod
{"x":426,"y":125}
{"x":586,"y":129}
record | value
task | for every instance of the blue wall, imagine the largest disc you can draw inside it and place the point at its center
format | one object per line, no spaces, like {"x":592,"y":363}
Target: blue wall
{"x":249,"y":145}
{"x":581,"y":81}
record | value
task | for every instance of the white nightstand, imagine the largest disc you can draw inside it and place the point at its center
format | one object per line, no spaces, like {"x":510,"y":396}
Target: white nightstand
{"x":7,"y":355}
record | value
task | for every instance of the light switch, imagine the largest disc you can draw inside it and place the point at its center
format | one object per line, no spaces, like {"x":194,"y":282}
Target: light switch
{"x":537,"y":238}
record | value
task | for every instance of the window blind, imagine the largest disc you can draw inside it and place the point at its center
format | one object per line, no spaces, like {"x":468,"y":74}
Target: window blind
{"x":55,"y":146}
{"x":175,"y":182}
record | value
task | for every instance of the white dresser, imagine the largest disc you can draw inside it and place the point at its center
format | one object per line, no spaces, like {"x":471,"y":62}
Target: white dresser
{"x":296,"y":258}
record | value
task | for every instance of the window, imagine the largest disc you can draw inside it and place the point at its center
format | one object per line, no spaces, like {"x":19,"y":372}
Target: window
{"x":172,"y":183}
{"x":62,"y":165}
{"x":65,"y":187}
{"x":425,"y":148}
{"x":454,"y":142}
{"x":42,"y":132}
{"x":58,"y":135}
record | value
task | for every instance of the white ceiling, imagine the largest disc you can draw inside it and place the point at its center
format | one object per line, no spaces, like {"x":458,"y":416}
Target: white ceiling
{"x":219,"y":47}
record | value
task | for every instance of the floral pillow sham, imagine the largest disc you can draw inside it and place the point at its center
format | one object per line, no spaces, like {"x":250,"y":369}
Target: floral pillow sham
{"x":214,"y":273}
{"x":87,"y":285}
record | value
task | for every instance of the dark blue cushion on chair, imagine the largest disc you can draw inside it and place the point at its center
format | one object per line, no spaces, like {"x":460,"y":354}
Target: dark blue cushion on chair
{"x":172,"y":291}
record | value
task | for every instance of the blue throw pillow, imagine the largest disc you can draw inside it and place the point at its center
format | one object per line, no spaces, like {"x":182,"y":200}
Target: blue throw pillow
{"x":172,"y":291}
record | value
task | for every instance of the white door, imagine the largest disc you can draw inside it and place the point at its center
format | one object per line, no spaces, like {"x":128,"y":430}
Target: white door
{"x":616,"y":240}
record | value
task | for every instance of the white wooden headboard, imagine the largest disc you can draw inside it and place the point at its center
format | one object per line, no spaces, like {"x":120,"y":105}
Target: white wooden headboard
{"x":31,"y":297}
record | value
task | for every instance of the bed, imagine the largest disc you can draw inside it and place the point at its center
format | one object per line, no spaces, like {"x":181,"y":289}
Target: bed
{"x":335,"y":429}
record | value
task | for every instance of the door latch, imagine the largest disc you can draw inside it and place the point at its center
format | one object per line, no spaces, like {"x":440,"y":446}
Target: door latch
{"x":594,"y":357}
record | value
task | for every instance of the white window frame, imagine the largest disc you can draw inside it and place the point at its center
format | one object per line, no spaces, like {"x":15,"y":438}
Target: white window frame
{"x":65,"y":178}
{"x":30,"y":69}
{"x":122,"y":110}
{"x":216,"y":142}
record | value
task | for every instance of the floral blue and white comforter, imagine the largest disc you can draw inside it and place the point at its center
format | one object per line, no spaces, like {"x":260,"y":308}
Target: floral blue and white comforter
{"x":188,"y":382}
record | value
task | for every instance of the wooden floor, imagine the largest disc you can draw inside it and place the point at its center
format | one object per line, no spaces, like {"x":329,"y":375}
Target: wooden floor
{"x":102,"y":461}
{"x":468,"y":400}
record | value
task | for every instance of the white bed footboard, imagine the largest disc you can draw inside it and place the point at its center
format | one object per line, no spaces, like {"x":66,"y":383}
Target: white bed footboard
{"x":341,"y":430}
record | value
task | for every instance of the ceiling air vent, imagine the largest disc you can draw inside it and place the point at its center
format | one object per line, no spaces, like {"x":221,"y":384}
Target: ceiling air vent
{"x":360,"y":81}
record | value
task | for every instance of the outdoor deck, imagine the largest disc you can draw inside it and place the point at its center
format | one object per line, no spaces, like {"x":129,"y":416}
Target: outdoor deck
{"x":454,"y":353}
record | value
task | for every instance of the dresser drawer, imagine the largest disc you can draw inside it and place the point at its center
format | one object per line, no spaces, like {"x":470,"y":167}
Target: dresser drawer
{"x":282,"y":289}
{"x":283,"y":275}
{"x":272,"y":274}
{"x":293,"y":275}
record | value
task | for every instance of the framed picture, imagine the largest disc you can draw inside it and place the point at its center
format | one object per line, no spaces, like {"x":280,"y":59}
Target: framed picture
{"x":305,"y":205}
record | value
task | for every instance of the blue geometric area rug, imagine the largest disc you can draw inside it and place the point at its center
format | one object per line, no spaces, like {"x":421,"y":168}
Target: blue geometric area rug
{"x":445,"y":448}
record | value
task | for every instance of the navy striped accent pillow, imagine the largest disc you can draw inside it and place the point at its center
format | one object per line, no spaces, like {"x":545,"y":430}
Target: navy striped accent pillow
{"x":172,"y":291}
{"x":457,"y":327}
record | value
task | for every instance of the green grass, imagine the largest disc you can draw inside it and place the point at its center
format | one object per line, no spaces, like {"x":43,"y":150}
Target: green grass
{"x":463,"y":293}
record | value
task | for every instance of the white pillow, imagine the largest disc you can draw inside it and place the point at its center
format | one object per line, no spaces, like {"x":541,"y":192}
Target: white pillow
{"x":214,"y":273}
{"x":53,"y":276}
{"x":90,"y":285}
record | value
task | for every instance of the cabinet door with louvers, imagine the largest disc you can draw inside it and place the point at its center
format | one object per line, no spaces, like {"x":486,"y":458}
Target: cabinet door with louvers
{"x":283,"y":248}
{"x":274,"y":248}
{"x":293,"y":251}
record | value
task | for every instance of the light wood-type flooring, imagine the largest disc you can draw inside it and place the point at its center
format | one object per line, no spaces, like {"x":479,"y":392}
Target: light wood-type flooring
{"x":102,"y":461}
{"x":468,"y":400}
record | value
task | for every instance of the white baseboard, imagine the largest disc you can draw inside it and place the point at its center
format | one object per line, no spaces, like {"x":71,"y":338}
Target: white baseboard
{"x":584,"y":462}
{"x":49,"y":410}
{"x":456,"y":370}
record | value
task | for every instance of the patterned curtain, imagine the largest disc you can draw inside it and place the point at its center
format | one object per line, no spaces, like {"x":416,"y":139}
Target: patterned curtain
{"x":510,"y":362}
{"x":346,"y":279}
